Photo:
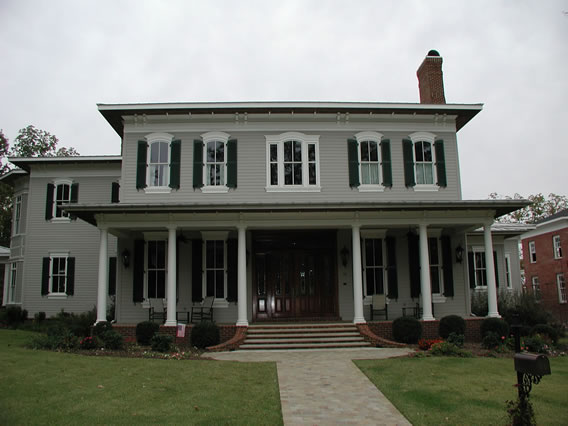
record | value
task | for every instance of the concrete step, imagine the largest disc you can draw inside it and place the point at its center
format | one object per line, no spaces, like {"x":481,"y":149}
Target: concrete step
{"x":305,"y":340}
{"x":311,"y":345}
{"x":302,"y":335}
{"x":290,"y":331}
{"x":300,"y":325}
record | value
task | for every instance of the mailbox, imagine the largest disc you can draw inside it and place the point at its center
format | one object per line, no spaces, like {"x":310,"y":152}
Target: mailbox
{"x":534,"y":364}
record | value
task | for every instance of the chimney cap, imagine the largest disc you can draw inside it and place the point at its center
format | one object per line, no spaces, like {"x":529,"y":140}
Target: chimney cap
{"x":433,"y":53}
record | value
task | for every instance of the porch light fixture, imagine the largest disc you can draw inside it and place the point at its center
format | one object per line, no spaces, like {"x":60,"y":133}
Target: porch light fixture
{"x":126,"y":258}
{"x":344,"y":256}
{"x":459,"y":254}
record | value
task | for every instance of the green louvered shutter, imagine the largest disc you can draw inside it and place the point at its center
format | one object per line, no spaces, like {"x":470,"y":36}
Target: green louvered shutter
{"x":74,"y":196}
{"x":197,"y":163}
{"x":392,"y":276}
{"x":49,"y":202}
{"x":141,"y":165}
{"x":232,"y":270}
{"x":447,"y":266}
{"x":138,"y":272}
{"x":175,"y":163}
{"x":197,"y":271}
{"x":408,"y":156}
{"x":45,"y":276}
{"x":353,"y":159}
{"x":440,"y":163}
{"x":386,"y":163}
{"x":414,"y":264}
{"x":115,"y":192}
{"x":70,"y":288}
{"x":232,"y":163}
{"x":471,"y":268}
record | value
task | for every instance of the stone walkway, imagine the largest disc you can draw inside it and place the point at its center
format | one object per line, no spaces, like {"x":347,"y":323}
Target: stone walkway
{"x":324,"y":387}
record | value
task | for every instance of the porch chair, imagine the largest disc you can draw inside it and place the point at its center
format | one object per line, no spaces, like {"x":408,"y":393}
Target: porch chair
{"x":379,"y":306}
{"x":158,"y":310}
{"x":203,"y":311}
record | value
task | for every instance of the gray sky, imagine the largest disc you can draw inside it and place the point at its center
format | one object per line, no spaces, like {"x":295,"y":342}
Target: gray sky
{"x":61,"y":58}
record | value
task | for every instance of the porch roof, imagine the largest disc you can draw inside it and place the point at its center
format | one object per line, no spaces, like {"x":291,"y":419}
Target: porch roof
{"x":495,"y":208}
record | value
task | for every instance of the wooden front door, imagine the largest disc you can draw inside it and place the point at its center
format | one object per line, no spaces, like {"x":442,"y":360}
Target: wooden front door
{"x":295,"y":278}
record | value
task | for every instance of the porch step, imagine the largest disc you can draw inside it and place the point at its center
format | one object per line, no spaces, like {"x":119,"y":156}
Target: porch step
{"x":303,"y":336}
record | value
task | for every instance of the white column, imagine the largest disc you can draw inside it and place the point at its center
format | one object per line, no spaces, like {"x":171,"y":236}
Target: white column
{"x":103,"y":276}
{"x":358,"y":317}
{"x":242,"y":278}
{"x":171,"y":284}
{"x":425,"y":286}
{"x":492,"y":310}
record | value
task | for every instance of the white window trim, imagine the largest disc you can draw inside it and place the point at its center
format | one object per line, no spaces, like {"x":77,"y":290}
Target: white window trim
{"x":372,"y":137}
{"x":557,"y":247}
{"x":532,"y":250}
{"x":59,"y":295}
{"x":18,"y":200}
{"x":305,"y":140}
{"x":215,"y":236}
{"x":561,"y":280}
{"x":508,"y":278}
{"x":150,"y":139}
{"x":56,"y":183}
{"x":425,"y":137}
{"x":212,"y":137}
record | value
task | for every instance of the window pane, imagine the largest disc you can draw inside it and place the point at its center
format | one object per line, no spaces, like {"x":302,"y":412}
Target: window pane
{"x":161,"y":284}
{"x":210,"y":152}
{"x":379,"y":288}
{"x":152,"y":261}
{"x":297,"y":151}
{"x":369,"y":252}
{"x":364,"y":151}
{"x":373,"y":152}
{"x":219,"y":254}
{"x":161,"y":249}
{"x":220,"y":153}
{"x":163,"y":152}
{"x":378,"y":252}
{"x":152,"y":278}
{"x":365,"y":174}
{"x":274,"y":174}
{"x":210,"y":254}
{"x":211,"y":174}
{"x":429,"y":173}
{"x":311,"y":152}
{"x":420,"y":174}
{"x":288,"y":174}
{"x":370,"y":276}
{"x":419,"y":156}
{"x":220,"y":284}
{"x":312,"y":173}
{"x":297,"y":174}
{"x":374,"y":174}
{"x":220,"y":174}
{"x":210,"y":283}
{"x":288,"y":151}
{"x":435,"y":279}
{"x":154,"y":153}
{"x":433,"y":251}
{"x":273,"y":152}
{"x":427,"y":151}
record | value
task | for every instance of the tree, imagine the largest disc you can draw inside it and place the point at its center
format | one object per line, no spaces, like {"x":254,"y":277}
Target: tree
{"x":539,"y":208}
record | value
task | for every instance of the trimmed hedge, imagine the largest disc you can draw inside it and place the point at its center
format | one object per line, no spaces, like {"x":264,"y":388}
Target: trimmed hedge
{"x":145,"y":330}
{"x":494,"y":325}
{"x":451,"y":324}
{"x":406,"y":330}
{"x":205,"y":334}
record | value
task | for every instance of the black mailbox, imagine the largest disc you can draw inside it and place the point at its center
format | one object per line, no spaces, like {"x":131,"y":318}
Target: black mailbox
{"x":534,"y":364}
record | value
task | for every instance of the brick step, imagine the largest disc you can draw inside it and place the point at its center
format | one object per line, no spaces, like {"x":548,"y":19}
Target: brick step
{"x":303,"y":331}
{"x":300,"y":325}
{"x":302,"y":335}
{"x":311,"y":345}
{"x":305,"y":340}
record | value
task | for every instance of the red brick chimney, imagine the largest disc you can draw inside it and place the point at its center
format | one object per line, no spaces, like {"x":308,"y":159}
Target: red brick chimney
{"x":430,"y":79}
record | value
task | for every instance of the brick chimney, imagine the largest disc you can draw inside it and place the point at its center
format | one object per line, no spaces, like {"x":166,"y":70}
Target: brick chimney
{"x":430,"y":79}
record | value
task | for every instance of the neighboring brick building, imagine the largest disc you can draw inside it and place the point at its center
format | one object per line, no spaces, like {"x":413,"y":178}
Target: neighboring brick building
{"x":545,"y":252}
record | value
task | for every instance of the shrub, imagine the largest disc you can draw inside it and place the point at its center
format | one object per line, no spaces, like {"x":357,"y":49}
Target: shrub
{"x":495,"y":325}
{"x":451,"y":324}
{"x":89,"y":343}
{"x":406,"y":330}
{"x":57,"y":338}
{"x":426,"y":344}
{"x":145,"y":330}
{"x":162,"y":342}
{"x":79,"y":324}
{"x":545,"y":330}
{"x":112,"y":340}
{"x":15,"y":316}
{"x":100,"y":328}
{"x":39,"y":317}
{"x":456,"y":339}
{"x":449,"y":349}
{"x":536,"y":344}
{"x":527,"y":309}
{"x":492,"y":340}
{"x":205,"y":334}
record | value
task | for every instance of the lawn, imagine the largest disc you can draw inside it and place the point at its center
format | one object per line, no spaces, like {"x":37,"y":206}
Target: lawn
{"x":41,"y":387}
{"x":471,"y":391}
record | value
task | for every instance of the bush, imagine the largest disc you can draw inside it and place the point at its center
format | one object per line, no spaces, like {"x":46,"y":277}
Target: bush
{"x":100,"y":328}
{"x":39,"y":317}
{"x":545,"y":330}
{"x":89,"y":343}
{"x":456,"y":339}
{"x":205,"y":334}
{"x":57,"y":338}
{"x":406,"y":330}
{"x":494,"y":325}
{"x":145,"y":330}
{"x":14,"y":316}
{"x":527,"y":309}
{"x":426,"y":344}
{"x":79,"y":324}
{"x":492,"y":340}
{"x":449,"y":349}
{"x":112,"y":340}
{"x":536,"y":344}
{"x":451,"y":324}
{"x":162,"y":342}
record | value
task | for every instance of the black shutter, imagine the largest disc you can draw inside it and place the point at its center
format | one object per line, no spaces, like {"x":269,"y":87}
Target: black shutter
{"x":440,"y":163}
{"x":447,"y":266}
{"x":197,"y":163}
{"x":197,"y":270}
{"x":386,"y":163}
{"x":414,"y":264}
{"x":408,"y":157}
{"x":496,"y":269}
{"x":141,"y":165}
{"x":70,"y":290}
{"x":74,"y":198}
{"x":49,"y":202}
{"x":138,"y":272}
{"x":232,"y":270}
{"x":112,"y":276}
{"x":232,"y":163}
{"x":45,"y":276}
{"x":353,"y":159}
{"x":471,"y":266}
{"x":115,"y":192}
{"x":175,"y":163}
{"x":392,"y":276}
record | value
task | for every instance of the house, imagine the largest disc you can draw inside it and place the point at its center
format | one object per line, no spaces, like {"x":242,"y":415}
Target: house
{"x":546,"y":263}
{"x":271,"y":210}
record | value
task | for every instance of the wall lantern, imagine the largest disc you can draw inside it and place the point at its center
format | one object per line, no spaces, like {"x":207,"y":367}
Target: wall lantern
{"x":126,"y":258}
{"x":344,"y":256}
{"x":459,"y":254}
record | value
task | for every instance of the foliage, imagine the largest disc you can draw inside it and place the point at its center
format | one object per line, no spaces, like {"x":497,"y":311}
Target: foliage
{"x":536,"y":343}
{"x":89,"y":343}
{"x":205,"y":334}
{"x":78,"y":324}
{"x":456,"y":339}
{"x":111,"y":309}
{"x":162,"y":342}
{"x":58,"y":337}
{"x":14,"y":316}
{"x":494,"y":325}
{"x":540,"y":207}
{"x":406,"y":330}
{"x":449,"y":349}
{"x":546,"y":330}
{"x":6,"y":195}
{"x":495,"y":341}
{"x":521,"y":412}
{"x":101,"y":327}
{"x":426,"y":344}
{"x":528,"y":311}
{"x":145,"y":330}
{"x":39,"y":317}
{"x":451,"y":324}
{"x":112,"y":340}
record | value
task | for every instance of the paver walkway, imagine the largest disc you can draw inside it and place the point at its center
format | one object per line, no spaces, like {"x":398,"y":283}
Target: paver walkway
{"x":324,"y":387}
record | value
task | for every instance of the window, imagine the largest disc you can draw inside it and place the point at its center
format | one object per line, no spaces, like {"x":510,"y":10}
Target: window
{"x":557,"y":247}
{"x":508,"y":270}
{"x":561,"y":284}
{"x":424,"y":162}
{"x":215,"y":162}
{"x":60,"y":192}
{"x":369,"y":162}
{"x":62,"y":196}
{"x":17,"y":214}
{"x":374,"y":264}
{"x":215,"y":267}
{"x":434,"y":251}
{"x":156,"y":269}
{"x":532,"y":251}
{"x":13,"y":281}
{"x":292,"y":162}
{"x":158,"y":163}
{"x":479,"y":269}
{"x":58,"y":275}
{"x":536,"y":288}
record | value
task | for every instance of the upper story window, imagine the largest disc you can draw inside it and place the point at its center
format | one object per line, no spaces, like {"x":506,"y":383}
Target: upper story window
{"x":532,"y":251}
{"x":60,"y":192}
{"x":158,"y":163}
{"x":369,"y":162}
{"x":424,"y":162}
{"x":557,"y":247}
{"x":292,"y":162}
{"x":215,"y":162}
{"x":17,"y":214}
{"x":58,"y":275}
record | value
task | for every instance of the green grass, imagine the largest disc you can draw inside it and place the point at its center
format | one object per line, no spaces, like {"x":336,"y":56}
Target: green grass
{"x":472,"y":391}
{"x":42,"y":387}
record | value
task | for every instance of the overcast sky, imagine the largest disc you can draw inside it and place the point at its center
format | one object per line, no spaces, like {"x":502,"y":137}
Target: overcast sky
{"x":61,"y":58}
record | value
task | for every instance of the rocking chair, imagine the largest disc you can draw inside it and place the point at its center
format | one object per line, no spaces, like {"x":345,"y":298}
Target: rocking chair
{"x":203,"y":311}
{"x":379,"y":306}
{"x":158,"y":310}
